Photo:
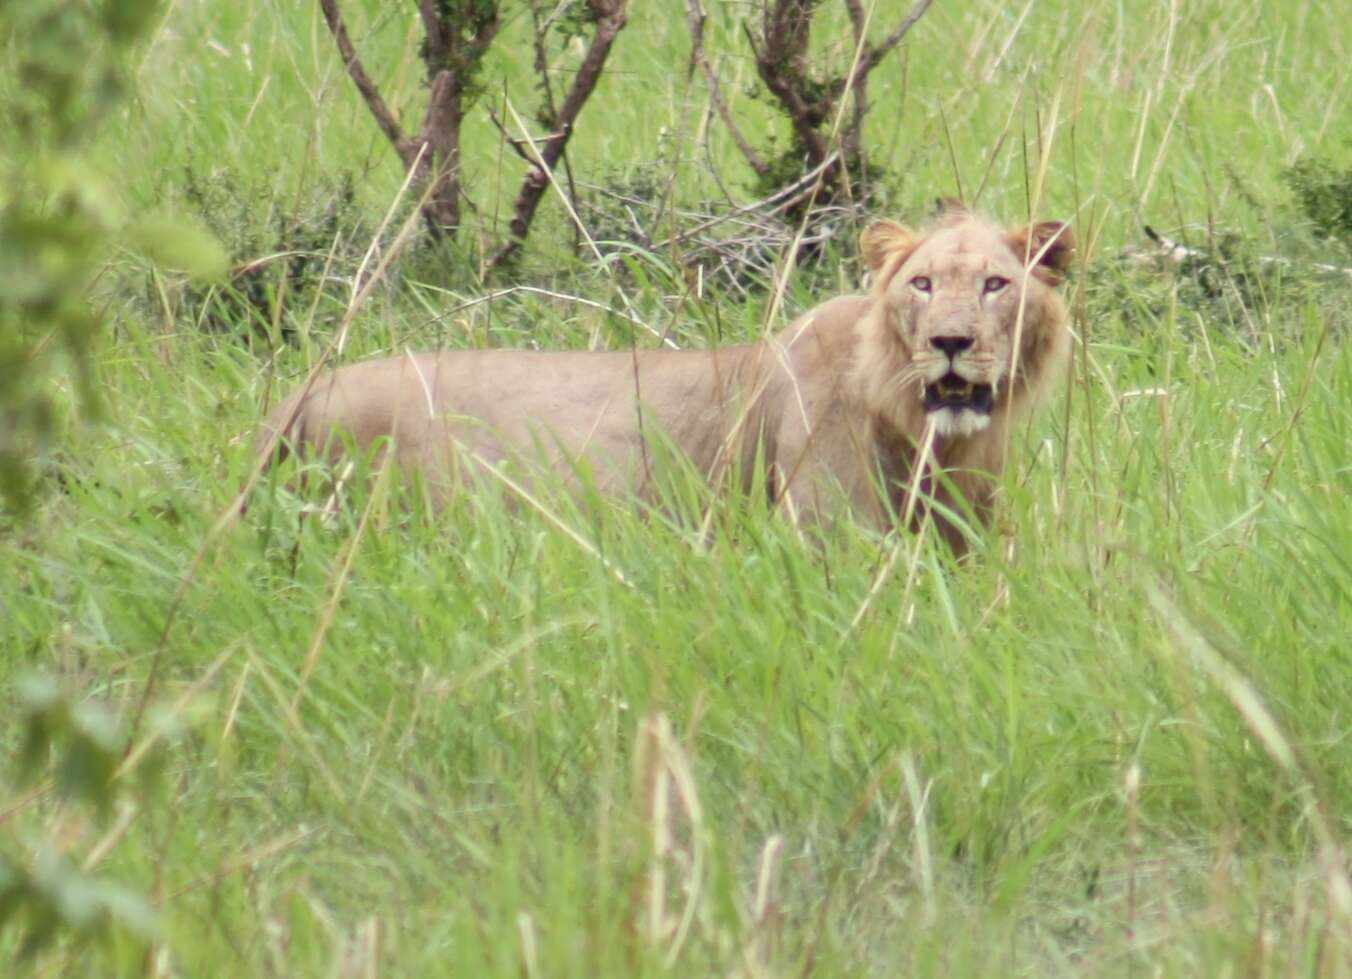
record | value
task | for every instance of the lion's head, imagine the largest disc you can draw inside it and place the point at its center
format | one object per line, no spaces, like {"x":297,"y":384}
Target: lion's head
{"x":966,"y":320}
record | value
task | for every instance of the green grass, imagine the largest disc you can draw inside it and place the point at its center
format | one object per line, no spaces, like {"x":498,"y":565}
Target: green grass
{"x":567,"y":740}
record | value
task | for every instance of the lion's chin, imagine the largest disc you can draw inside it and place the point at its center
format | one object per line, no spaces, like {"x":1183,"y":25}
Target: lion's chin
{"x":959,"y":422}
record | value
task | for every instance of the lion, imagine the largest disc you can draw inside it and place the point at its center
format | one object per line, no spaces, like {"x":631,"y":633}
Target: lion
{"x":960,"y":334}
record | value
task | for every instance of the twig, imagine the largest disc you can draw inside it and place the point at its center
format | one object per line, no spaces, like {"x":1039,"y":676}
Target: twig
{"x":452,"y":51}
{"x":781,"y":64}
{"x":858,"y":81}
{"x":610,"y":20}
{"x":695,"y":17}
{"x":869,"y":57}
{"x":540,"y":30}
{"x":517,"y":143}
{"x":577,"y":221}
{"x":781,"y":200}
{"x":876,"y":56}
{"x":405,"y":147}
{"x":752,"y":237}
{"x":781,"y":51}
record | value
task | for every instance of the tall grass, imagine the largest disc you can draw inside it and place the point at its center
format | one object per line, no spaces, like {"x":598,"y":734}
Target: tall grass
{"x":574,"y":739}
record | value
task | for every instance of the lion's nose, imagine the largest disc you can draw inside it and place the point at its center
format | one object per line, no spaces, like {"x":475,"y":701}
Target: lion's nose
{"x":951,"y":345}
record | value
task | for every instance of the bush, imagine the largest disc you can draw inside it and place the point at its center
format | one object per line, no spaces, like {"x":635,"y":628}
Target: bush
{"x":1324,"y":195}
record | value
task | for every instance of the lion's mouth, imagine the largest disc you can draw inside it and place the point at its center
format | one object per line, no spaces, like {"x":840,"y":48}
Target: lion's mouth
{"x":952,"y":391}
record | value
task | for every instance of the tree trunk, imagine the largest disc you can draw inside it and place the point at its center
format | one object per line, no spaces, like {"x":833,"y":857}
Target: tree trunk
{"x":441,"y":132}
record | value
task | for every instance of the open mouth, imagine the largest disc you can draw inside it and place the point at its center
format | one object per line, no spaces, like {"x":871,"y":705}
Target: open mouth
{"x":952,"y":391}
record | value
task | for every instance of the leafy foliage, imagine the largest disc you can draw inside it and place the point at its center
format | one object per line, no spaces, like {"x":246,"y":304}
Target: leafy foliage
{"x":1220,"y":282}
{"x":84,"y":737}
{"x":58,"y":219}
{"x":1324,"y":194}
{"x":280,"y":250}
{"x":465,"y":22}
{"x":79,"y":745}
{"x":55,"y":896}
{"x":573,"y":19}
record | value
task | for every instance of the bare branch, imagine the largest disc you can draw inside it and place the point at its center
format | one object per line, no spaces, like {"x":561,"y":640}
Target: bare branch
{"x":858,"y":21}
{"x":781,"y":50}
{"x":854,"y":134}
{"x":441,"y":132}
{"x":406,"y":148}
{"x":780,"y":62}
{"x":435,"y":31}
{"x":877,"y":54}
{"x":867,"y":58}
{"x":781,"y":200}
{"x":519,"y":144}
{"x":486,"y":26}
{"x":610,"y":19}
{"x":539,"y":30}
{"x":695,"y":17}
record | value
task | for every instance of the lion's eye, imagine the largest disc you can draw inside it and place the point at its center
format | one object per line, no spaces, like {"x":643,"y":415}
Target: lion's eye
{"x":995,"y":283}
{"x":921,"y":283}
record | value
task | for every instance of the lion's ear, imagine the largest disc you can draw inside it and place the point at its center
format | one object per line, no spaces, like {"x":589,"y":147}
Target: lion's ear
{"x":884,"y":239}
{"x":1050,"y":244}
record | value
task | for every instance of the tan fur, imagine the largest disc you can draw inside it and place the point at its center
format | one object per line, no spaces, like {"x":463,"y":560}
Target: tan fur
{"x":830,"y":407}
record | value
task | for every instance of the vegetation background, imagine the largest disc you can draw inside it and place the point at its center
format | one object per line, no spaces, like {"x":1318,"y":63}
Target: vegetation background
{"x":566,"y":740}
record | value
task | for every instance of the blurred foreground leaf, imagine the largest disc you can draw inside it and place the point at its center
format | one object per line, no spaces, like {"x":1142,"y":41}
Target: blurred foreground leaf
{"x":63,"y":68}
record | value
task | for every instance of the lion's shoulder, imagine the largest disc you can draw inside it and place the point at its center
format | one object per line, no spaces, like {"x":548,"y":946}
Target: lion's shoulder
{"x":820,"y":337}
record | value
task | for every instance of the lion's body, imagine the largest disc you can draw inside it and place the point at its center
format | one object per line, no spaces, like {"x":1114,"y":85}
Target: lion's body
{"x":819,"y":413}
{"x":577,"y":413}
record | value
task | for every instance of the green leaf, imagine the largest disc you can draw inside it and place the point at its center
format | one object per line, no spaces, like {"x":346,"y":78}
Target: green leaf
{"x":13,"y":884}
{"x":180,"y":244}
{"x":85,"y":736}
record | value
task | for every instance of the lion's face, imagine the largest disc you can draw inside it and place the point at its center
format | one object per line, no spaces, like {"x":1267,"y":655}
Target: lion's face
{"x":953,"y":298}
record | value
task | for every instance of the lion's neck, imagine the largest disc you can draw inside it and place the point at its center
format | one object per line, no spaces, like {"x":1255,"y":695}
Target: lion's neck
{"x":957,"y":472}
